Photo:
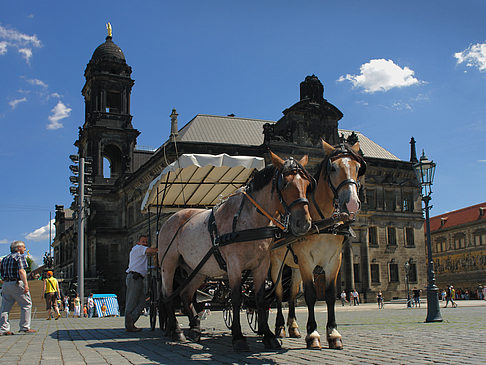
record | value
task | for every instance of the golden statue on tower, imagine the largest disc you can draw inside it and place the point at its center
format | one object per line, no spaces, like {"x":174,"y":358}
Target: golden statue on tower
{"x":108,"y":27}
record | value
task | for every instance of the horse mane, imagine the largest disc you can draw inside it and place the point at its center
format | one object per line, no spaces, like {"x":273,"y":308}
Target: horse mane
{"x":342,"y":148}
{"x":262,"y":178}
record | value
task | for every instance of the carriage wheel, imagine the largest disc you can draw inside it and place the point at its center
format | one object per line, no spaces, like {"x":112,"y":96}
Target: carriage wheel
{"x":153,"y":303}
{"x":252,"y":317}
{"x":228,"y":316}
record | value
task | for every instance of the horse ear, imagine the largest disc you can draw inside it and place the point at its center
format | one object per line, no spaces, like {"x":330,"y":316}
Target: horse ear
{"x":355,"y":147}
{"x":328,"y":149}
{"x":276,"y":161}
{"x":303,"y":161}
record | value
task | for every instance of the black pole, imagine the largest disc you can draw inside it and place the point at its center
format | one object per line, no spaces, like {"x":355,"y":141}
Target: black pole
{"x":433,"y":309}
{"x":408,"y":287}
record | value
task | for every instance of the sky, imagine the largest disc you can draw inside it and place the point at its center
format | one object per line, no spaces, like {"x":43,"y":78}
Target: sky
{"x":395,"y":70}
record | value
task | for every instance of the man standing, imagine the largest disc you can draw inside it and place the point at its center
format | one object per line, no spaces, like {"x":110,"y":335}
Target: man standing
{"x":416,"y":297}
{"x":355,"y":297}
{"x":51,"y":293}
{"x":90,"y":305}
{"x":343,"y":297}
{"x":15,"y":289}
{"x":137,"y":269}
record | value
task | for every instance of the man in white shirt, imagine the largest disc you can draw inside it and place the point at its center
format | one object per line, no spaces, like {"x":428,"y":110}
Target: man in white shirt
{"x":137,"y":270}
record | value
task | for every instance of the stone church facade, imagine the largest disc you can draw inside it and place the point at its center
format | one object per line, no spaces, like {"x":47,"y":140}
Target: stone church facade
{"x":389,"y":228}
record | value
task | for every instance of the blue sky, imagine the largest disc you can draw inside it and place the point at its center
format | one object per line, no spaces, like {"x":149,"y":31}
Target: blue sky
{"x":395,"y":70}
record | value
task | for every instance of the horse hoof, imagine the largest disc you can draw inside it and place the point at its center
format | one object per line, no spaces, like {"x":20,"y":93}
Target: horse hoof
{"x":294,"y":332}
{"x":194,"y":335}
{"x":280,"y":332}
{"x":271,"y":343}
{"x":335,"y":344}
{"x":178,"y":337}
{"x":241,"y":346}
{"x":313,"y":341}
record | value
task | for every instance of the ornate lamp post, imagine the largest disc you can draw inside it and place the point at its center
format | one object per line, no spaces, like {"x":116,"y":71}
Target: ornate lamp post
{"x":425,"y":170}
{"x":407,"y":279}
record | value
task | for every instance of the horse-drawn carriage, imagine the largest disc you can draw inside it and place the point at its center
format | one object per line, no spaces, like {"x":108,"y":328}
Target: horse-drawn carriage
{"x":258,"y":215}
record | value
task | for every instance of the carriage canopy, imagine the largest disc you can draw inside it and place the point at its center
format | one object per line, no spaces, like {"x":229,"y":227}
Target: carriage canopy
{"x":199,"y":180}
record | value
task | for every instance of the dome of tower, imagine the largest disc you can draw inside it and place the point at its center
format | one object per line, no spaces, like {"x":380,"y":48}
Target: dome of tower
{"x":109,"y":51}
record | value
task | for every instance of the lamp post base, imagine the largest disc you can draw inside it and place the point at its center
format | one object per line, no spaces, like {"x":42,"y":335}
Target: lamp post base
{"x":433,"y":308}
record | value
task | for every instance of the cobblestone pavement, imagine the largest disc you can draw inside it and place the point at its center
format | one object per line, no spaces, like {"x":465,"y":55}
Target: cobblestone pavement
{"x":393,"y":335}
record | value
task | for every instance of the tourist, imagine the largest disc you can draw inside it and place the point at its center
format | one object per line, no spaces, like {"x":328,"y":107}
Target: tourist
{"x":51,"y":294}
{"x":355,"y":297}
{"x":379,"y":299}
{"x":15,"y":288}
{"x":66,"y":306}
{"x":77,"y":306}
{"x":90,"y":305}
{"x":450,"y":293}
{"x":343,"y":297}
{"x":416,"y":297}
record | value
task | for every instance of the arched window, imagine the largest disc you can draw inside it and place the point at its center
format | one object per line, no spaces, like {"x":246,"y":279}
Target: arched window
{"x":112,"y":157}
{"x":106,"y":168}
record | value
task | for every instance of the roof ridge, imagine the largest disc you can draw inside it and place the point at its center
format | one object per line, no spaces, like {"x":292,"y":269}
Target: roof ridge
{"x":230,"y":117}
{"x":460,"y":210}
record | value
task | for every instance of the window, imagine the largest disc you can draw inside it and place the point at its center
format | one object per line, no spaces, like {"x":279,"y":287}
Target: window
{"x":113,"y":102}
{"x":412,"y":273}
{"x":392,"y":236}
{"x":373,"y":236}
{"x":393,"y":273}
{"x":390,"y":201}
{"x":409,"y":237}
{"x":375,"y":273}
{"x":407,"y":202}
{"x":479,"y":238}
{"x":459,"y":241}
{"x":371,"y":199}
{"x":357,"y":276}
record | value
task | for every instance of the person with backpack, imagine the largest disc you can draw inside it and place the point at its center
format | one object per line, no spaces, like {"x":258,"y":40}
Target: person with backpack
{"x":51,"y":294}
{"x":450,"y":293}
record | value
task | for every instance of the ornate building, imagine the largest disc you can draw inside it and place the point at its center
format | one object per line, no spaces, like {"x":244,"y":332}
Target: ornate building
{"x":389,"y":228}
{"x":459,"y":247}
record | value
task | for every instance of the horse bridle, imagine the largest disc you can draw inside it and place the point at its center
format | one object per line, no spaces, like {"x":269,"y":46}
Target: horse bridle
{"x":290,"y":166}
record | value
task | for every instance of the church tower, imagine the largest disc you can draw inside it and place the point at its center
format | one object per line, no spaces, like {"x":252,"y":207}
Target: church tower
{"x":108,"y":136}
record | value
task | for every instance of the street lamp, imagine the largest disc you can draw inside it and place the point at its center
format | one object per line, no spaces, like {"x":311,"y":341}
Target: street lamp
{"x":407,"y":280}
{"x":425,"y":170}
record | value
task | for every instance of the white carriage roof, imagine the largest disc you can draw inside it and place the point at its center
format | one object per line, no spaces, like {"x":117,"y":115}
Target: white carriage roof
{"x":199,"y":180}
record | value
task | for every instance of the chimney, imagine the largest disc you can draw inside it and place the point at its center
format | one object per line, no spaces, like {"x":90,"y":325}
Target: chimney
{"x":413,"y":153}
{"x":481,"y":211}
{"x":443,"y":221}
{"x":174,"y":130}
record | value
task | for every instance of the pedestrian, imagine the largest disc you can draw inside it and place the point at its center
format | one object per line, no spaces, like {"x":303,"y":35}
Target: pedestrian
{"x":343,"y":297}
{"x":90,"y":305}
{"x":355,"y":297}
{"x":416,"y":297}
{"x":51,"y":293}
{"x":450,"y":292}
{"x":66,"y":306}
{"x":77,"y":306}
{"x":137,"y":269}
{"x":85,"y":311}
{"x":484,"y":292}
{"x":379,"y":299}
{"x":15,"y":289}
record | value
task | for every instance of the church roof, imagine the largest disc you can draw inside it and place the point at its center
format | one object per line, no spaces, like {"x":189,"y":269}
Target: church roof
{"x":244,"y":131}
{"x":108,"y":50}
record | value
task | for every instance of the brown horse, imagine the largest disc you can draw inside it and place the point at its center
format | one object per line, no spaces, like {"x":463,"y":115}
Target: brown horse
{"x":184,"y":240}
{"x":336,"y":190}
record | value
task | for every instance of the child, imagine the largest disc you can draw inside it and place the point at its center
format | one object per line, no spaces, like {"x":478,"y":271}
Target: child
{"x":66,"y":306}
{"x":103,"y":309}
{"x":85,"y":311}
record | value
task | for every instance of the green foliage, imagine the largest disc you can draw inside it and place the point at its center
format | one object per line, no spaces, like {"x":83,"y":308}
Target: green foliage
{"x":31,"y":264}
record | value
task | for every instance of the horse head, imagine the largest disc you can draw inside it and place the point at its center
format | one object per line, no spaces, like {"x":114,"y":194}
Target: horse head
{"x":341,"y":170}
{"x":291,"y":182}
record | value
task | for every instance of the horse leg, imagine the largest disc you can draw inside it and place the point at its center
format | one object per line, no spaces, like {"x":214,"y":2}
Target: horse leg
{"x":332,"y":334}
{"x":280,"y":321}
{"x":312,"y":339}
{"x":294,"y":290}
{"x":172,"y":326}
{"x":187,"y":296}
{"x":238,"y":340}
{"x":259,"y":275}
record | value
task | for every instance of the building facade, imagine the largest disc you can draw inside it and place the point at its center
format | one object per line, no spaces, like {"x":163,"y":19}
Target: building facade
{"x":389,"y":229}
{"x":459,"y":248}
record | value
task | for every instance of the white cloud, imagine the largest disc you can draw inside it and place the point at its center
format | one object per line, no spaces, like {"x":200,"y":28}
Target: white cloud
{"x":3,"y":48}
{"x":481,"y":160}
{"x":22,"y":42}
{"x":42,"y":233}
{"x":473,"y":56}
{"x":13,"y":104}
{"x":55,"y":95}
{"x":398,"y":105}
{"x":19,"y":38}
{"x":36,"y":82}
{"x":26,"y":54}
{"x":4,"y":241}
{"x":59,"y":112}
{"x":30,"y":16}
{"x":381,"y":75}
